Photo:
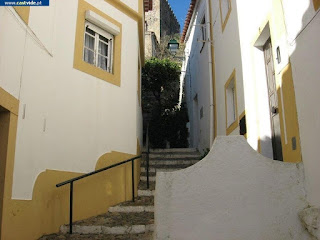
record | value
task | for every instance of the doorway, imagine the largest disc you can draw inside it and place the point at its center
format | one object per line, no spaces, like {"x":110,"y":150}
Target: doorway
{"x":273,"y":102}
{"x":4,"y":134}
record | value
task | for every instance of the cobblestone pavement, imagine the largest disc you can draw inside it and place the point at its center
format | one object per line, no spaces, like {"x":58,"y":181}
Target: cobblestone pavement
{"x":143,"y":185}
{"x":145,"y":236}
{"x":140,"y":201}
{"x":118,"y":219}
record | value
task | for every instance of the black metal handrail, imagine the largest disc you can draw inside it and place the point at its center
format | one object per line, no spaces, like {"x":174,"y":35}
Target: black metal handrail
{"x":70,"y":181}
{"x":147,"y":157}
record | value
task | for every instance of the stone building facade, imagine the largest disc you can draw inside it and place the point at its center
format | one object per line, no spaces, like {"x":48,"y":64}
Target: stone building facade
{"x":160,"y":21}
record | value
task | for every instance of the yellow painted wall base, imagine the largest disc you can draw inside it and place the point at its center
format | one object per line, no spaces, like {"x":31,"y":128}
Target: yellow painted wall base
{"x":291,"y":118}
{"x":49,"y":207}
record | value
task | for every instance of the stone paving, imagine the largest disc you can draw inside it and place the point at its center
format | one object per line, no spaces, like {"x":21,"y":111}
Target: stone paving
{"x":140,"y":201}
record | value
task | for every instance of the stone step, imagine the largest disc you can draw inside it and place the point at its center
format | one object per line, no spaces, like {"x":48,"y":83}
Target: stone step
{"x":143,"y":185}
{"x":195,"y":155}
{"x":117,"y":230}
{"x":155,"y":168}
{"x":144,"y":174}
{"x":164,"y":169}
{"x":170,"y":162}
{"x":151,"y":178}
{"x":145,"y":193}
{"x":76,"y":236}
{"x":140,"y":201}
{"x":173,"y":150}
{"x":152,"y":170}
{"x":131,"y":209}
{"x":174,"y":156}
{"x":114,"y":223}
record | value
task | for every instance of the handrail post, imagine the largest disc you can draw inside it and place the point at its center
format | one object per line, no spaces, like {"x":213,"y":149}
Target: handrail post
{"x":71,"y":181}
{"x":132,"y":168}
{"x":71,"y":207}
{"x":148,"y":151}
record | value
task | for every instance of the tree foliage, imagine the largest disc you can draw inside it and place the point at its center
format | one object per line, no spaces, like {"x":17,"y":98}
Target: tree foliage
{"x":161,"y":78}
{"x":160,"y":95}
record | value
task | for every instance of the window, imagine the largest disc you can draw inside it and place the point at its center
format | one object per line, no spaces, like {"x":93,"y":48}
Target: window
{"x":225,"y":9}
{"x":203,"y":32}
{"x":243,"y":126}
{"x":86,"y":47}
{"x":231,"y":104}
{"x":98,"y":47}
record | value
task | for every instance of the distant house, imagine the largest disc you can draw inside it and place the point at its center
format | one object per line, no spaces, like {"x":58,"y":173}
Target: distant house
{"x":69,"y":104}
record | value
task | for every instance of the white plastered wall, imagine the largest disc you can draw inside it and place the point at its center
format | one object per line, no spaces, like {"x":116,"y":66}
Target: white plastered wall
{"x":132,"y":4}
{"x":233,"y":193}
{"x":227,"y":59}
{"x":67,"y":118}
{"x":254,"y":73}
{"x":303,"y":25}
{"x":198,"y":80}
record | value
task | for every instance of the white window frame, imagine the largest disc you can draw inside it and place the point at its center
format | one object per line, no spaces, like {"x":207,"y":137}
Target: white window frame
{"x":99,"y":32}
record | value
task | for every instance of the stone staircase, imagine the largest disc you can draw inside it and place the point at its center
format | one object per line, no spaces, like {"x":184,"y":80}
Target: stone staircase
{"x":132,"y":220}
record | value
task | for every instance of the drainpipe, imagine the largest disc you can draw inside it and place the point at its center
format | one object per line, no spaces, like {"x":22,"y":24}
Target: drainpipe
{"x":210,"y":57}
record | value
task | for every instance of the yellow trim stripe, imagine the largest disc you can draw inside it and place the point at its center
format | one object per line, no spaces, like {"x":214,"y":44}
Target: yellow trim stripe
{"x":9,"y":102}
{"x":234,"y":125}
{"x":24,"y":13}
{"x":316,"y":4}
{"x":224,"y":22}
{"x":137,"y":16}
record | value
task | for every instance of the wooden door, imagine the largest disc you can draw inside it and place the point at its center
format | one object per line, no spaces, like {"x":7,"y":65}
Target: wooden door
{"x":273,"y":102}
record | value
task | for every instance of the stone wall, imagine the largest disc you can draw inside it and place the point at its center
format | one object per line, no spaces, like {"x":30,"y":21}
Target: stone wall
{"x":169,"y":24}
{"x":152,"y":19}
{"x":161,"y":20}
{"x":151,"y":45}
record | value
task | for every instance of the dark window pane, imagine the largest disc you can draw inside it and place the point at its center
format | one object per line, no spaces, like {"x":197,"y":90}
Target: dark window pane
{"x":103,"y":38}
{"x":88,"y":30}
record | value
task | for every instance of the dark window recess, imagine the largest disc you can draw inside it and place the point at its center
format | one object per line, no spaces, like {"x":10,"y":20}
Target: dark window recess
{"x":203,"y":33}
{"x":201,"y":112}
{"x":243,"y":126}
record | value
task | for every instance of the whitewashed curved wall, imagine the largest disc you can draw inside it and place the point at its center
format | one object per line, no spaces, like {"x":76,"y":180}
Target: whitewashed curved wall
{"x":233,"y":193}
{"x":83,"y":117}
{"x":303,"y":24}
